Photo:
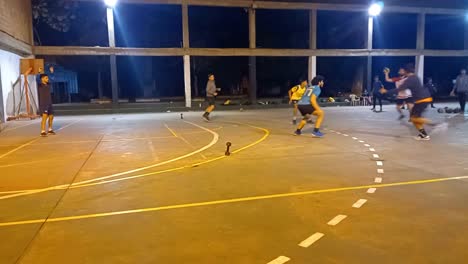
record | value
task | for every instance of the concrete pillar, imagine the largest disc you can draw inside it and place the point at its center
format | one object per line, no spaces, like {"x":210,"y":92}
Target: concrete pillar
{"x":113,"y":59}
{"x":187,"y":82}
{"x":252,"y":60}
{"x":466,"y":35}
{"x":370,"y":35}
{"x":420,"y":67}
{"x":421,"y":31}
{"x":312,"y":43}
{"x":186,"y":44}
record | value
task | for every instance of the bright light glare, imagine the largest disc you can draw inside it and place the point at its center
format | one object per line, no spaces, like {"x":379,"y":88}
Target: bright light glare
{"x":466,"y":17}
{"x":375,"y":9}
{"x":110,"y":3}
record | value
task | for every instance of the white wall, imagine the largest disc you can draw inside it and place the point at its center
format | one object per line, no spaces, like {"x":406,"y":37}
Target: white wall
{"x":10,"y":72}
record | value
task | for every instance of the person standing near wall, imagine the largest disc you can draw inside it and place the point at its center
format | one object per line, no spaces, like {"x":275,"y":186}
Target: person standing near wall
{"x":46,"y":109}
{"x":461,"y":89}
{"x":376,"y":95}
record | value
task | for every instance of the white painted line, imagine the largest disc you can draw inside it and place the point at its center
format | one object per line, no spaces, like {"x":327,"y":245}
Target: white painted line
{"x":371,"y":190}
{"x":379,"y":163}
{"x":372,"y":149}
{"x":376,"y":156}
{"x":310,"y":240}
{"x":339,"y":133}
{"x":359,"y":203}
{"x":345,"y":135}
{"x":279,"y":260}
{"x":337,"y":220}
{"x":378,"y":180}
{"x":361,"y":141}
{"x":366,"y":145}
{"x":355,"y":138}
{"x":332,"y":130}
{"x":380,"y":171}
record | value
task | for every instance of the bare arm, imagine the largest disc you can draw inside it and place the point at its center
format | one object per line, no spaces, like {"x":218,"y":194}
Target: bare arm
{"x":387,"y":77}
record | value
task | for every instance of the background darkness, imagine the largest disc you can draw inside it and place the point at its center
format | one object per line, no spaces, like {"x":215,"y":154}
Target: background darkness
{"x":160,"y":26}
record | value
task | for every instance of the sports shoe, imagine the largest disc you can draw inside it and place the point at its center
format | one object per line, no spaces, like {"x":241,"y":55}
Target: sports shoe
{"x":317,"y":134}
{"x":51,"y":132}
{"x":422,"y":137}
{"x":297,"y":133}
{"x":43,"y":134}
{"x":206,"y":118}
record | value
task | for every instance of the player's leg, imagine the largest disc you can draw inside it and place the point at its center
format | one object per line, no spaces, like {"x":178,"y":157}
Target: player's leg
{"x":295,"y":110}
{"x":51,"y":121}
{"x":374,"y":102}
{"x":209,"y":109}
{"x":399,"y":105}
{"x":380,"y":102}
{"x":418,"y":121}
{"x":320,"y":116}
{"x":462,"y":100}
{"x":43,"y":124}
{"x":305,"y":112}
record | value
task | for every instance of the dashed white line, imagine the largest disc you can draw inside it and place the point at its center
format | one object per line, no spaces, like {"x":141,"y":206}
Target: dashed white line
{"x":380,"y":171}
{"x":371,"y":190}
{"x":379,"y":163}
{"x":345,"y":135}
{"x":339,"y":133}
{"x":279,"y":260}
{"x":378,"y":180}
{"x":336,"y":220}
{"x":366,"y":145}
{"x":372,"y":149}
{"x":359,"y":203}
{"x":361,"y":141}
{"x":355,"y":138}
{"x":311,"y":240}
{"x":376,"y":156}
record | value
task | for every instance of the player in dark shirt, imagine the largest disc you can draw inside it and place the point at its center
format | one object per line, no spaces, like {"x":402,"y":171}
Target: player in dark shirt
{"x":46,"y":109}
{"x":422,"y":98}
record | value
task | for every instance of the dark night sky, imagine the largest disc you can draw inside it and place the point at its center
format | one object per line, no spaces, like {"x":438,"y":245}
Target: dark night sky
{"x":160,"y":26}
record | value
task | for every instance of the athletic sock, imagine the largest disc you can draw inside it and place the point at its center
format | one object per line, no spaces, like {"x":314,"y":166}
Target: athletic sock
{"x":316,"y":130}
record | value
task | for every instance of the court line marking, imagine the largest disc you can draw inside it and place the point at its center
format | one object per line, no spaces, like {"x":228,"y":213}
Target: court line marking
{"x":170,"y":130}
{"x":359,"y":203}
{"x":311,"y":240}
{"x":372,"y":149}
{"x":228,"y":201}
{"x":336,"y":220}
{"x":366,"y":145}
{"x":355,"y":138}
{"x":279,"y":260}
{"x":378,"y":180}
{"x":82,"y":184}
{"x":379,"y":163}
{"x":32,"y":141}
{"x":371,"y":190}
{"x":14,"y":128}
{"x":64,"y":186}
{"x":380,"y":171}
{"x":376,"y":156}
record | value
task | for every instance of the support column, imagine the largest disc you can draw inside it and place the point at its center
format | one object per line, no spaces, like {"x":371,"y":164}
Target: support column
{"x":370,"y":35}
{"x":252,"y":59}
{"x":188,"y":82}
{"x":466,"y":35}
{"x":420,"y":45}
{"x":186,"y":45}
{"x":113,"y":60}
{"x":312,"y":43}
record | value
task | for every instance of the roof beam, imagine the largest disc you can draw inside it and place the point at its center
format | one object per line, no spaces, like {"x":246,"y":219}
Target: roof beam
{"x":14,"y":45}
{"x":103,"y":51}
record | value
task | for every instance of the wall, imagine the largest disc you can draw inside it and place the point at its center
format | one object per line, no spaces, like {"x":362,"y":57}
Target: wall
{"x":16,"y":19}
{"x":10,"y":72}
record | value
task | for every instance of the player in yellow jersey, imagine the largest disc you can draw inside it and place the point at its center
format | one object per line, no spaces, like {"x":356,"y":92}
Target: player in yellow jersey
{"x":295,"y":94}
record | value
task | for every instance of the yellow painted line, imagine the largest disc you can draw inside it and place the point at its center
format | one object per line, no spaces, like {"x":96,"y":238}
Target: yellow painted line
{"x":226,"y":201}
{"x":170,"y":130}
{"x":81,"y":184}
{"x":14,"y":128}
{"x":65,"y":186}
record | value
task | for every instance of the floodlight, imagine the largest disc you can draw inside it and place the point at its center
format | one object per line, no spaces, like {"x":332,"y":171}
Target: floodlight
{"x":375,"y":9}
{"x":110,"y":3}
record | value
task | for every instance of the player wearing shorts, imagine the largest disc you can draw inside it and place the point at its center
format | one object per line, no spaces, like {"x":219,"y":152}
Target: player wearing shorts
{"x":295,"y":94}
{"x":211,"y":93}
{"x":46,"y":110}
{"x":404,"y":96}
{"x":308,"y":106}
{"x":422,"y":98}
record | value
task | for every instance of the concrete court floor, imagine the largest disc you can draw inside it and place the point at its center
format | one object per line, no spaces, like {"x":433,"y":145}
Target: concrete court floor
{"x":76,"y":197}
